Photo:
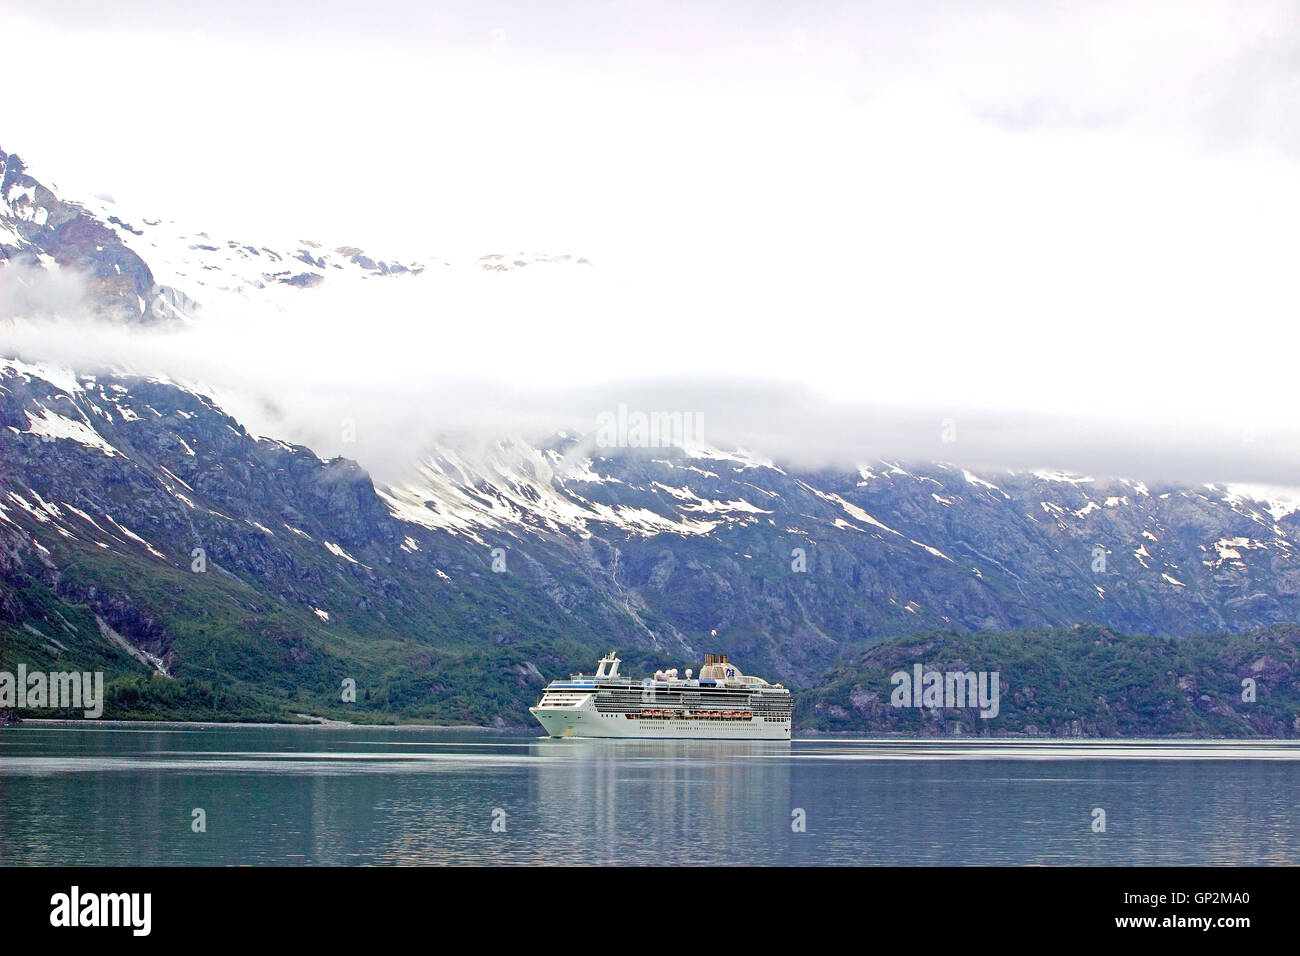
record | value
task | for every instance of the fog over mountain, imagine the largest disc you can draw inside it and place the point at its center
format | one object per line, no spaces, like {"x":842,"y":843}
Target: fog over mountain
{"x":412,"y":403}
{"x":461,"y":354}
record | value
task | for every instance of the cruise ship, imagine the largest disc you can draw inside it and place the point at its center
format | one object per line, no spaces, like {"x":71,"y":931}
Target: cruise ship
{"x":720,"y":704}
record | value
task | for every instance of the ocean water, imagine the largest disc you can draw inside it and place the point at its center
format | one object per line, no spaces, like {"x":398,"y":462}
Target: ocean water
{"x":124,"y":795}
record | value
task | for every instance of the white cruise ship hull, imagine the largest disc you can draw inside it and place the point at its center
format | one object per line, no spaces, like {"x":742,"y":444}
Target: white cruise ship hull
{"x":584,"y":720}
{"x":720,"y":704}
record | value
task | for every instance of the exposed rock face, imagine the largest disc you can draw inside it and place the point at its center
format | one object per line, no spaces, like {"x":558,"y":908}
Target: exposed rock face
{"x":38,"y":229}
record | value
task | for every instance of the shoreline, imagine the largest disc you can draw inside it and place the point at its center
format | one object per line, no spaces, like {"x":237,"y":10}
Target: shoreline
{"x":319,"y":724}
{"x":811,"y":735}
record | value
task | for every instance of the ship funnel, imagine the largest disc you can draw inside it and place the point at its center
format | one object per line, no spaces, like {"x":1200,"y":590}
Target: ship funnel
{"x":717,"y":667}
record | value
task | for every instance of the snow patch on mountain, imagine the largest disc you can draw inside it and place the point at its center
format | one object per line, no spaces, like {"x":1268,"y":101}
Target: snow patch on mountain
{"x":513,"y":484}
{"x":49,"y":424}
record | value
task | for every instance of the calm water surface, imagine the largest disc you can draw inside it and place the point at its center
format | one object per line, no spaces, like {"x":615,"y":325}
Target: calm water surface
{"x":348,"y":795}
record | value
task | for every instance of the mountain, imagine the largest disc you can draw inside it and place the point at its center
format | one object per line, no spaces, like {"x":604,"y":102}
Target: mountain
{"x":145,"y":531}
{"x":41,"y":231}
{"x":136,"y":265}
{"x":139,"y":518}
{"x":1084,"y":681}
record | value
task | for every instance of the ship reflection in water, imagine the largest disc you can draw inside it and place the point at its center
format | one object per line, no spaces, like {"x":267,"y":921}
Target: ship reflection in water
{"x":276,"y":795}
{"x":664,"y":793}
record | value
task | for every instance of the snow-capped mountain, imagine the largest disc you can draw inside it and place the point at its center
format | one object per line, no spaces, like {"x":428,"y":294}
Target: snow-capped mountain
{"x":790,"y":566}
{"x":141,"y":526}
{"x":151,"y":268}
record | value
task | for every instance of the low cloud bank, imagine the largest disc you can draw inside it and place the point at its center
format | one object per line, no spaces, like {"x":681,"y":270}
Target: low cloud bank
{"x":383,"y":389}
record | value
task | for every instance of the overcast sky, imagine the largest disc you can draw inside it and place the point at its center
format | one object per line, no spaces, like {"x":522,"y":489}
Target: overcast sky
{"x":1072,"y":225}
